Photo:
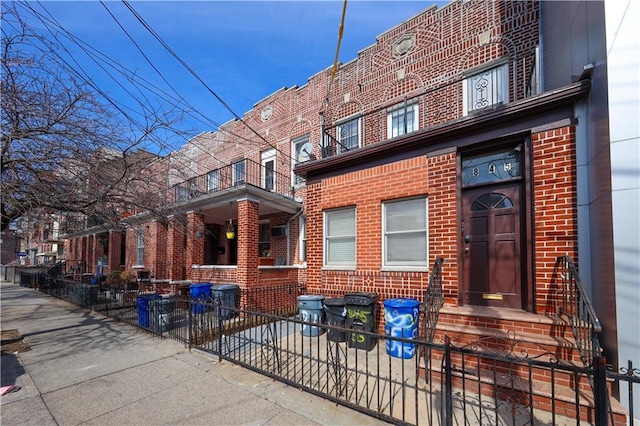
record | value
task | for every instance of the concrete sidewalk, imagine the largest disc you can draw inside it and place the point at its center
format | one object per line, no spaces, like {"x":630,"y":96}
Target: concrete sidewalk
{"x":84,"y":368}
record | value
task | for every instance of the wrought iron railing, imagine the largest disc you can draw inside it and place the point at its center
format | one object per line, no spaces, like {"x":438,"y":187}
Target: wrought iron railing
{"x":437,"y":104}
{"x":575,"y":307}
{"x":474,"y":383}
{"x":433,"y":301}
{"x":245,"y":172}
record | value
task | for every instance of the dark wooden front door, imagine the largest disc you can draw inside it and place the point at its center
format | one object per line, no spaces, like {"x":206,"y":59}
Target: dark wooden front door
{"x":491,"y":246}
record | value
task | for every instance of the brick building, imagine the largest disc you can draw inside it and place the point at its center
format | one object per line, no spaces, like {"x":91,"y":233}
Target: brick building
{"x":440,"y":140}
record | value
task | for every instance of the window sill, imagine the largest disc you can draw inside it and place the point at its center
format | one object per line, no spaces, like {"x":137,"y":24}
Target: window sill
{"x":405,"y":269}
{"x":338,"y":268}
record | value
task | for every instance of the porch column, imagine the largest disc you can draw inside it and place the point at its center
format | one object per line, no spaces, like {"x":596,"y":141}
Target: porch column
{"x":176,"y":253}
{"x":158,"y":241}
{"x":195,"y":240}
{"x":248,"y":227}
{"x":115,"y":250}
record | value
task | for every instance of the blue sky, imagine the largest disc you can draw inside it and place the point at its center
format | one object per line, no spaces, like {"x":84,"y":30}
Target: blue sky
{"x":243,"y":50}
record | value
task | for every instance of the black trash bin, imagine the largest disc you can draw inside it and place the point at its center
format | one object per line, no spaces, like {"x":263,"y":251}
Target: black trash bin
{"x":227,"y":295}
{"x":361,"y":315}
{"x":336,"y":313}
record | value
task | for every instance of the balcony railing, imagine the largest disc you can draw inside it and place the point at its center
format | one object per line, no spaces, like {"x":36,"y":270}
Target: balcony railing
{"x":245,"y":172}
{"x":453,"y":99}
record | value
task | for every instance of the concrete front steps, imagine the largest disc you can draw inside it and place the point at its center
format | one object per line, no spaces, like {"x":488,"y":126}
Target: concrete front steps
{"x":525,"y":336}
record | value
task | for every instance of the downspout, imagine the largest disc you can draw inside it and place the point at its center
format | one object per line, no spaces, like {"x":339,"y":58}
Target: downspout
{"x":289,"y":235}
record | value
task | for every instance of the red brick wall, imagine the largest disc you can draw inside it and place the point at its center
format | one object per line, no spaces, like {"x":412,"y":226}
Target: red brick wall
{"x":157,"y":249}
{"x":248,"y":212}
{"x":176,"y":250}
{"x":555,"y":209}
{"x":367,"y":190}
{"x":195,"y":240}
{"x":115,"y":250}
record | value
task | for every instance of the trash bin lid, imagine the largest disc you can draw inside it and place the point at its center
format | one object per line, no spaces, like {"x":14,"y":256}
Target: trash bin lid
{"x":310,"y":297}
{"x":225,"y":286}
{"x":335,"y":302}
{"x":401,"y":302}
{"x":197,"y":285}
{"x":361,"y":298}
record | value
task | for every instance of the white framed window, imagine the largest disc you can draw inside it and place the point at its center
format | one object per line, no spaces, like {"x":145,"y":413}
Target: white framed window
{"x":301,"y":151}
{"x":238,"y":172}
{"x":340,"y":238}
{"x":302,"y":221}
{"x":213,"y":180}
{"x":269,"y":170}
{"x":140,"y":247}
{"x":402,"y":119}
{"x":485,"y":89}
{"x":264,"y":238}
{"x":349,"y":135}
{"x":405,"y":233}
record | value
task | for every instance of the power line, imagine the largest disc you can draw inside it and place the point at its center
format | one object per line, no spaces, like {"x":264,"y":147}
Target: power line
{"x":197,"y":77}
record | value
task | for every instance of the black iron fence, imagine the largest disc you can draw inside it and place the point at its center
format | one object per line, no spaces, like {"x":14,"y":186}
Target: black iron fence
{"x":578,"y":311}
{"x":486,"y":382}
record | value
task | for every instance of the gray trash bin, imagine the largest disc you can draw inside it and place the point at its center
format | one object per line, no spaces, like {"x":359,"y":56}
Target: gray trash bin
{"x":161,"y":314}
{"x":227,"y":295}
{"x":310,"y":307}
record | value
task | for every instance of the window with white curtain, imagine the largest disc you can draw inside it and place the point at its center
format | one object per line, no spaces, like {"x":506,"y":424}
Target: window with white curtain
{"x":405,"y":233}
{"x":340,"y":238}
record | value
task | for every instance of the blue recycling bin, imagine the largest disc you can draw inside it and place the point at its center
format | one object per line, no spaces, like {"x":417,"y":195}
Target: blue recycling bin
{"x":200,"y":296}
{"x":401,"y":317}
{"x":226,"y":293}
{"x":310,"y":308}
{"x":142,"y":303}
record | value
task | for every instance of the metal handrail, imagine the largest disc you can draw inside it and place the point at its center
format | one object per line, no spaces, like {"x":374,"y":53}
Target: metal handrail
{"x":433,"y":301}
{"x":579,"y":311}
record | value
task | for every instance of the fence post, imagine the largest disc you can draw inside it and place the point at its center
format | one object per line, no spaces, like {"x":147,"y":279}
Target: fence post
{"x":448,"y":386}
{"x":218,"y":314}
{"x":601,"y":397}
{"x":190,"y":322}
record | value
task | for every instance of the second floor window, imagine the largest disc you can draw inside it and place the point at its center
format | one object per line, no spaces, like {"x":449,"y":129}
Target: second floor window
{"x":486,"y":89}
{"x":140,"y":247}
{"x":213,"y":181}
{"x":302,"y":150}
{"x":349,"y":135}
{"x":402,"y":119}
{"x":238,"y":172}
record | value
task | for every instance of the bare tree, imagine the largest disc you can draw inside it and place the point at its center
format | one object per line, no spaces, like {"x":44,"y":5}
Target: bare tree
{"x":65,"y":147}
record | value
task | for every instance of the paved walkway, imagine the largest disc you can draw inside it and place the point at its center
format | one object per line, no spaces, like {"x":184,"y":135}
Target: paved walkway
{"x":84,"y":368}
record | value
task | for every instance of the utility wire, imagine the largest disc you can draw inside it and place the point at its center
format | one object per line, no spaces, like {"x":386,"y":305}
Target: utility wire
{"x":196,"y":76}
{"x":99,"y":56}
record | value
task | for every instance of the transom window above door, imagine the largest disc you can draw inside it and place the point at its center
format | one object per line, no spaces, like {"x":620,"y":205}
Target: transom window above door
{"x":493,"y":167}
